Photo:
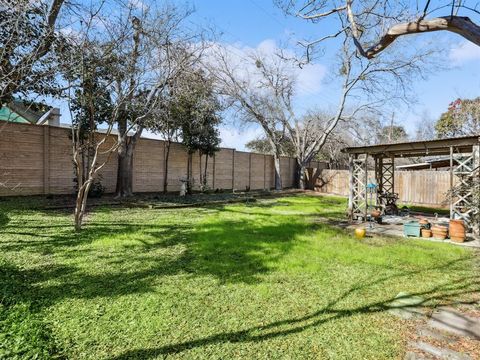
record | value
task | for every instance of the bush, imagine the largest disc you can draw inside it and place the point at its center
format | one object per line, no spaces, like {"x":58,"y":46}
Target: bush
{"x":97,"y":189}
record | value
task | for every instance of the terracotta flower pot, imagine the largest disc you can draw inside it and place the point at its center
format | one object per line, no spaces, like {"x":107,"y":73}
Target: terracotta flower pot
{"x":426,"y":233}
{"x":457,"y":230}
{"x":439,"y":232}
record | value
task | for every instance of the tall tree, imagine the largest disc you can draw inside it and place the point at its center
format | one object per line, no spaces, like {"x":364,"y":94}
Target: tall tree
{"x":154,"y":51}
{"x":28,"y":41}
{"x":189,"y":112}
{"x":258,"y":94}
{"x":197,"y":109}
{"x":365,"y":86}
{"x":265,"y":94}
{"x":87,"y":69}
{"x":461,"y":119}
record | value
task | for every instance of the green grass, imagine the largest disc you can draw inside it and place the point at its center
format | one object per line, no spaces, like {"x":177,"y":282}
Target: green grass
{"x":265,"y":280}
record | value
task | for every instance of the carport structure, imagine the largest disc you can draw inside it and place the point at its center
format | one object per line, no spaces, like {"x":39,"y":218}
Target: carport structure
{"x":464,"y":158}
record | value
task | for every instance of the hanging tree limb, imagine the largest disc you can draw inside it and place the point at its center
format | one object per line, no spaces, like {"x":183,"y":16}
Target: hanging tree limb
{"x":462,"y":26}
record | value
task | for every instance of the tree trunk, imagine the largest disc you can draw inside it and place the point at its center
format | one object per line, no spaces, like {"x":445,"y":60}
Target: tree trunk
{"x":189,"y":174}
{"x":125,"y":173}
{"x":205,"y":173}
{"x":165,"y":172}
{"x":81,"y":204}
{"x":78,"y":210}
{"x":300,"y":176}
{"x":278,"y":175}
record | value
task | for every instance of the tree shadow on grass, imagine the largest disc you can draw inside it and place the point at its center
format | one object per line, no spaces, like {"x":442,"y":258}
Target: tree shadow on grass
{"x":231,"y":250}
{"x":444,"y":294}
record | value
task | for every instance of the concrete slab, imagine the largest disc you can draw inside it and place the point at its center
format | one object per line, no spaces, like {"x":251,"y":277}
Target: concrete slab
{"x":452,"y":321}
{"x":436,"y":335}
{"x":410,"y":355}
{"x":438,"y":353}
{"x":396,"y":230}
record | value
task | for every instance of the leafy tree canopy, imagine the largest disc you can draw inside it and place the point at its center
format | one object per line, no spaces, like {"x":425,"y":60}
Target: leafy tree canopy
{"x":27,"y":35}
{"x":195,"y":107}
{"x":461,"y":119}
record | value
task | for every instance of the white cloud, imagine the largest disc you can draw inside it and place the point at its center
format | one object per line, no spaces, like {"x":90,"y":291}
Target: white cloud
{"x":466,"y":51}
{"x":309,"y":77}
{"x":138,"y":5}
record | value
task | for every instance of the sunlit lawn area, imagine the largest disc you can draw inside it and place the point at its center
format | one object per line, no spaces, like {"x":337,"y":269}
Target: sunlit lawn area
{"x":264,"y":280}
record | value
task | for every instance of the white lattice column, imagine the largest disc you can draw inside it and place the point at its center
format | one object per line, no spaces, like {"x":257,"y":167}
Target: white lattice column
{"x":359,"y":188}
{"x":465,"y":170}
{"x":476,"y":198}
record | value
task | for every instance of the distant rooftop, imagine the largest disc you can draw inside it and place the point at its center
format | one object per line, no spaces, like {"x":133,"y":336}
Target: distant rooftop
{"x":427,"y":164}
{"x":19,"y":111}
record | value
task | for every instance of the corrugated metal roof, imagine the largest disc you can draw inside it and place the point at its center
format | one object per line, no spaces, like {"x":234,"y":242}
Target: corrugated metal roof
{"x":417,"y":148}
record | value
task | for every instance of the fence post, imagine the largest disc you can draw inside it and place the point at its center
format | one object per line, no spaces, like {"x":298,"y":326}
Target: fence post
{"x":451,"y":181}
{"x":351,"y":184}
{"x":165,"y":170}
{"x":264,"y":172}
{"x":213,"y":175}
{"x":233,"y":169}
{"x":46,"y":159}
{"x":200,"y":168}
{"x":250,"y":171}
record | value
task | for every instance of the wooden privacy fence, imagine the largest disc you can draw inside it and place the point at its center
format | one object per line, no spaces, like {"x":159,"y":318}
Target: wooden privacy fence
{"x":37,"y":160}
{"x":425,"y":187}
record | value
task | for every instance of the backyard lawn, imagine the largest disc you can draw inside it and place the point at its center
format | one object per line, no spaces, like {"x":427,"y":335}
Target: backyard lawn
{"x":265,"y":280}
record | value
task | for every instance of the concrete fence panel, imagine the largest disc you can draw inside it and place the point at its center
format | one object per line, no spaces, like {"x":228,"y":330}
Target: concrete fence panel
{"x":38,"y":160}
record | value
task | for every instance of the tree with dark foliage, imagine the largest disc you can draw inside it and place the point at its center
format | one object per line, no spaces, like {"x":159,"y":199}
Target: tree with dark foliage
{"x":29,"y":43}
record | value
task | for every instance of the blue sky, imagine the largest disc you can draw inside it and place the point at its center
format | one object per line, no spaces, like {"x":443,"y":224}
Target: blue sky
{"x":253,"y":22}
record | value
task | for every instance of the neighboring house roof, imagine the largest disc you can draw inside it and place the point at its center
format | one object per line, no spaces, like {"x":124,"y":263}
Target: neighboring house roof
{"x":19,"y":111}
{"x":6,"y":114}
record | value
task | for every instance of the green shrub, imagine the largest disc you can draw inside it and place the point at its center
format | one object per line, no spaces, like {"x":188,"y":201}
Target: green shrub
{"x":97,"y":189}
